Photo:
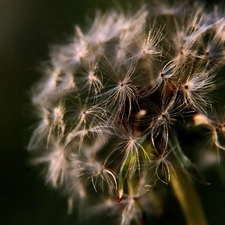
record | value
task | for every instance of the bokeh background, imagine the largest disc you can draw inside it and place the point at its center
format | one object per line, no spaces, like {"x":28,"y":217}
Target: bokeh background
{"x":27,"y":29}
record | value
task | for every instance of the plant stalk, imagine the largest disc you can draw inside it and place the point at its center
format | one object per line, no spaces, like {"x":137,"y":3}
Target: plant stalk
{"x":188,"y":199}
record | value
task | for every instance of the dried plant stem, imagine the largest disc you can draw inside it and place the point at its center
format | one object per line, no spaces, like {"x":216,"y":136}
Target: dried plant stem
{"x":188,"y":199}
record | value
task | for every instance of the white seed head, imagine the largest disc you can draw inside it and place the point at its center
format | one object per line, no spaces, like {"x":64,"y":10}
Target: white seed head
{"x":115,"y":100}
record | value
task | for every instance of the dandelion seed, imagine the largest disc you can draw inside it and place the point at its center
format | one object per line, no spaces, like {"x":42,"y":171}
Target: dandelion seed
{"x":57,"y":123}
{"x":220,"y":29}
{"x":216,"y":127}
{"x":196,"y":87}
{"x":212,"y":52}
{"x":100,"y":176}
{"x":148,"y":44}
{"x":133,"y":149}
{"x":161,"y":117}
{"x":186,"y":37}
{"x":120,"y":91}
{"x":42,"y":131}
{"x":164,"y":76}
{"x":57,"y":164}
{"x":161,"y":166}
{"x":134,"y":202}
{"x":89,"y":80}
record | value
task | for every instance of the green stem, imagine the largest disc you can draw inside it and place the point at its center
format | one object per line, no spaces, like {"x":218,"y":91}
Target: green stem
{"x":188,"y":199}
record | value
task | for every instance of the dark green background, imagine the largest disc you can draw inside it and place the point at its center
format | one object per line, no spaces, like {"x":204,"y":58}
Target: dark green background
{"x":27,"y":29}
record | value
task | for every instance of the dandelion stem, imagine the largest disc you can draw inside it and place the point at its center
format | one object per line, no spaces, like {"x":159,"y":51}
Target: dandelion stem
{"x":188,"y":199}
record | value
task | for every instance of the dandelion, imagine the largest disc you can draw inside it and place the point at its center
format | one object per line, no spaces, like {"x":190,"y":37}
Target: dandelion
{"x":117,"y":102}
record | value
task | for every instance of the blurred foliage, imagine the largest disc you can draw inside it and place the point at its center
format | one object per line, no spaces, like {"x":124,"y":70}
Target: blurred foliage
{"x":28,"y":28}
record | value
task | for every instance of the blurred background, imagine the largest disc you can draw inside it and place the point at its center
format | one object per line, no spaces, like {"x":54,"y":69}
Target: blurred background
{"x":27,"y":29}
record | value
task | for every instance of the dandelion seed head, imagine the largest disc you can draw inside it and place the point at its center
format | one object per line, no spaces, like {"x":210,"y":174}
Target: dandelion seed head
{"x":117,"y":100}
